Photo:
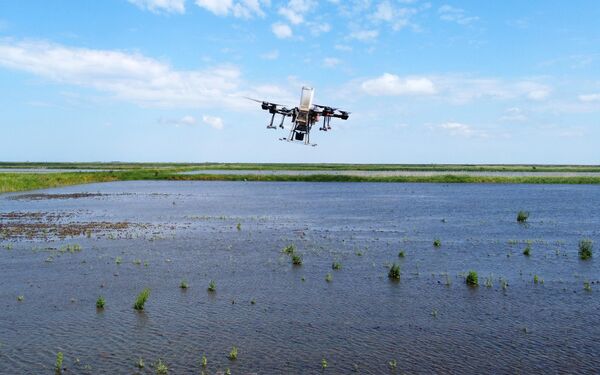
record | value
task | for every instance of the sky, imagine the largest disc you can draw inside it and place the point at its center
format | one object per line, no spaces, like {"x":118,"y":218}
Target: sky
{"x":467,"y":81}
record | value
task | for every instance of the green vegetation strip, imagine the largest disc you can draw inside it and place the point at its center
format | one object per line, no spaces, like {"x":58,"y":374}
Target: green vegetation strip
{"x":12,"y":182}
{"x":311,"y":166}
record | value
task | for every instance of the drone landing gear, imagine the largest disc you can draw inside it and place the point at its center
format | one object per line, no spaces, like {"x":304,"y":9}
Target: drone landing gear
{"x":326,"y":126}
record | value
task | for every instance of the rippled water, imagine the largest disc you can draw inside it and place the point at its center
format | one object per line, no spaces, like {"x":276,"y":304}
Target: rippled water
{"x":360,"y":320}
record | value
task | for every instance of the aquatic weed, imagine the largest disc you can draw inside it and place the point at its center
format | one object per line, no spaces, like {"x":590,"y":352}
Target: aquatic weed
{"x":522,"y":216}
{"x":336,"y":266}
{"x":296,"y":260}
{"x":329,"y":277}
{"x":324,"y":363}
{"x":212,"y":286}
{"x":472,"y":279}
{"x":204,"y":361}
{"x":58,"y":366}
{"x":586,"y":286}
{"x":289,"y":250}
{"x":394,"y":272}
{"x":20,"y":298}
{"x":393,"y":364}
{"x":401,"y":254}
{"x":437,"y":242}
{"x":233,"y":354}
{"x":140,"y":363}
{"x":184,"y":284}
{"x":527,"y":251}
{"x":100,"y":302}
{"x":585,"y":249}
{"x":141,"y":299}
{"x":161,"y":368}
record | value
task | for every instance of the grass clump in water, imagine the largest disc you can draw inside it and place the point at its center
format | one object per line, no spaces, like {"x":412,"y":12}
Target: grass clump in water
{"x":437,"y":242}
{"x":233,"y":354}
{"x":289,"y":249}
{"x":401,"y":254}
{"x":586,"y":286}
{"x":204,"y":361}
{"x":184,"y":284}
{"x":324,"y":363}
{"x":140,"y":363}
{"x":472,"y":279}
{"x":161,"y":368}
{"x":296,"y":260}
{"x":585,"y":249}
{"x":100,"y":302}
{"x":329,"y":277}
{"x":212,"y":286}
{"x":394,"y":272}
{"x":20,"y":298}
{"x":336,"y":266}
{"x":58,"y":366}
{"x":527,"y":251}
{"x":522,"y":216}
{"x":141,"y":299}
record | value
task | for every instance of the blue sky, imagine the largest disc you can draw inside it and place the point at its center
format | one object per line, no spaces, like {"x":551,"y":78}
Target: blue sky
{"x":426,"y":81}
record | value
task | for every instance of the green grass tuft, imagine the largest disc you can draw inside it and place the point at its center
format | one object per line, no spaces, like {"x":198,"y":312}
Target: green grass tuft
{"x":296,"y":260}
{"x":394,"y":272}
{"x":437,"y":242}
{"x":522,"y":216}
{"x":472,"y":279}
{"x":527,"y":251}
{"x":100,"y":302}
{"x":184,"y":284}
{"x":212,"y":286}
{"x":585,"y":249}
{"x":336,"y":266}
{"x":58,"y":366}
{"x":141,"y":299}
{"x":233,"y":354}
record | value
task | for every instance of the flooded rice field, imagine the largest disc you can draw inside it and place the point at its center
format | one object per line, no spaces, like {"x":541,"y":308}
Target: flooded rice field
{"x":336,"y":312}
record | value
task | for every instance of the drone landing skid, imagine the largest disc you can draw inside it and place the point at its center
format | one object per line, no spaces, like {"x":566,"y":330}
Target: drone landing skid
{"x":298,"y":142}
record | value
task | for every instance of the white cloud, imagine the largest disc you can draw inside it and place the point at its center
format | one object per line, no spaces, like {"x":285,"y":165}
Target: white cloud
{"x":295,"y":10}
{"x":331,"y":62}
{"x":239,"y":9}
{"x":514,"y":114}
{"x":281,"y":30}
{"x":452,"y":14}
{"x":271,"y":55}
{"x":393,"y":85}
{"x":213,"y":121}
{"x":170,"y":6}
{"x":185,"y":120}
{"x":126,"y":76}
{"x":343,"y":47}
{"x":398,"y":17}
{"x":457,"y":129}
{"x":589,"y":98}
{"x":364,"y":35}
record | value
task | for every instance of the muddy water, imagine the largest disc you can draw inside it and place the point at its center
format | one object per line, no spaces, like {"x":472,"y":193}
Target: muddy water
{"x":428,"y":322}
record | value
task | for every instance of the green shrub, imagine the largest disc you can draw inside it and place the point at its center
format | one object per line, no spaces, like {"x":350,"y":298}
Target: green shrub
{"x":472,"y":278}
{"x":394,"y":272}
{"x":585,"y":249}
{"x":522,"y":216}
{"x":141,"y":299}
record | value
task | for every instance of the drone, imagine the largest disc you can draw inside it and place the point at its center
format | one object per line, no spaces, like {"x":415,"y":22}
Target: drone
{"x":303,"y":117}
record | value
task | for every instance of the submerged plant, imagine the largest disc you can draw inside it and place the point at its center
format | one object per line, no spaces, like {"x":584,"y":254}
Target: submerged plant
{"x":329,"y":277}
{"x":204,"y":361}
{"x":393,"y":364}
{"x":140,"y":363}
{"x":586,"y":286}
{"x":401,"y":254}
{"x":233,"y":353}
{"x":227,"y":371}
{"x":59,"y":363}
{"x":472,"y":279}
{"x":296,"y":260}
{"x":323,"y":363}
{"x":488,"y":282}
{"x":536,"y":279}
{"x":141,"y":299}
{"x":118,"y":260}
{"x":212,"y":286}
{"x":20,"y":298}
{"x":239,"y":226}
{"x":336,"y":266}
{"x":184,"y":284}
{"x":394,"y":272}
{"x":585,"y":249}
{"x":522,"y":216}
{"x":100,"y":302}
{"x":527,"y":251}
{"x":437,"y":242}
{"x":161,"y":368}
